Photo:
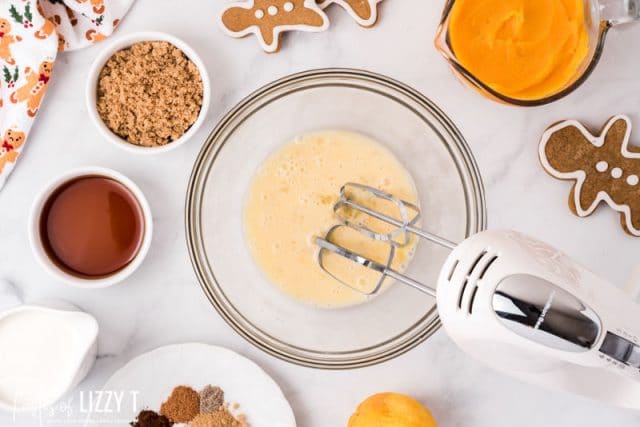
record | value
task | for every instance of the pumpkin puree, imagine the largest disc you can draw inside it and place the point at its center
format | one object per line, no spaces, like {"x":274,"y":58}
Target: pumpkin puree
{"x":524,"y":49}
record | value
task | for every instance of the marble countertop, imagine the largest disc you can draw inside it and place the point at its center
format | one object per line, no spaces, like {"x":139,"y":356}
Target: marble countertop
{"x":163,"y":304}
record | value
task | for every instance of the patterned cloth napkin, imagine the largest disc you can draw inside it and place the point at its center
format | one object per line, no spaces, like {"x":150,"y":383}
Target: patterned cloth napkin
{"x":32,"y":32}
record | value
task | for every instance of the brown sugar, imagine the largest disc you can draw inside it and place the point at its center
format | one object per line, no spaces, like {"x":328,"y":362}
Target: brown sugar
{"x":221,"y":418}
{"x":182,"y":405}
{"x":149,"y":94}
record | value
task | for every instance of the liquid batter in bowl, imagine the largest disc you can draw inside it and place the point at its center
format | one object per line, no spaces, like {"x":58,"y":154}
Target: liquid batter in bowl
{"x":290,"y":202}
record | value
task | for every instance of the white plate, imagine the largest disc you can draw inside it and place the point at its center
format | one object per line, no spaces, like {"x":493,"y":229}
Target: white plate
{"x":155,"y":374}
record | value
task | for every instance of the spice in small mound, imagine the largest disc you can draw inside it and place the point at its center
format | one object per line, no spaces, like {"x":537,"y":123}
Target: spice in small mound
{"x":149,"y":94}
{"x":221,"y":418}
{"x":182,"y":405}
{"x":211,"y":399}
{"x":148,"y":418}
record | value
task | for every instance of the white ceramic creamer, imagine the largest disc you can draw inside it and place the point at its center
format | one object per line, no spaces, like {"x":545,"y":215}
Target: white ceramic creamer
{"x":44,"y":353}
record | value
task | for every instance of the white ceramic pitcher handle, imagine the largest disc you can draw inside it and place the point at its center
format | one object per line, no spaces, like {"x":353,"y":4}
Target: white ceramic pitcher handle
{"x":619,"y":11}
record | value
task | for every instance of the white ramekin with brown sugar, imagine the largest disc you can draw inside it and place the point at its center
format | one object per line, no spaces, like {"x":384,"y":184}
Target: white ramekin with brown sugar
{"x":106,"y":123}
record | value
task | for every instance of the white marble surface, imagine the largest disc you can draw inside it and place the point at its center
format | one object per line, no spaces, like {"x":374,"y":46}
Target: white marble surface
{"x":163,"y":304}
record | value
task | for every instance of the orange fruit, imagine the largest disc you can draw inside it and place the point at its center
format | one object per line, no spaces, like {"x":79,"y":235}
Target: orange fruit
{"x":391,"y":410}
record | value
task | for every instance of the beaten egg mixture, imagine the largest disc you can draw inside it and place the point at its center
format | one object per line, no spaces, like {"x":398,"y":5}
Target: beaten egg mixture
{"x":290,"y":202}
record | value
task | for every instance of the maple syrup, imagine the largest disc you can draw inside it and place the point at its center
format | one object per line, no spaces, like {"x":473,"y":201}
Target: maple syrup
{"x":92,"y":226}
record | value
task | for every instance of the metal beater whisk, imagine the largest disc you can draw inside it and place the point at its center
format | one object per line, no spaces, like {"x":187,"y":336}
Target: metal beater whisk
{"x":347,"y":210}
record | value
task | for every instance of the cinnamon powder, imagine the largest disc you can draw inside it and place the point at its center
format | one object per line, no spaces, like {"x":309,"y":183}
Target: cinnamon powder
{"x":182,"y":405}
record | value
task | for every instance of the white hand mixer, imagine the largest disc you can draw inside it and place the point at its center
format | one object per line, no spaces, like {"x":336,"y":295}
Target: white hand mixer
{"x":513,"y":302}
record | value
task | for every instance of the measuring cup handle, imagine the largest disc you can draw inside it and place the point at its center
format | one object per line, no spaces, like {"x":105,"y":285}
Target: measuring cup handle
{"x":618,"y":11}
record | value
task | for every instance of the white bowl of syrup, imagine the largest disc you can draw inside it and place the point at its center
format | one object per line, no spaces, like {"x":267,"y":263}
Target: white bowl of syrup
{"x":91,"y":227}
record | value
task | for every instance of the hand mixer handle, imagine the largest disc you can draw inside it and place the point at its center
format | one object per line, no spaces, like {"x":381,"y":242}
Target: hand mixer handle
{"x":527,"y":309}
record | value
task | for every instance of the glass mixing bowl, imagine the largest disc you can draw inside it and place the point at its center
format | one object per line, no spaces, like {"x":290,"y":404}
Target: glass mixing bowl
{"x":413,"y":128}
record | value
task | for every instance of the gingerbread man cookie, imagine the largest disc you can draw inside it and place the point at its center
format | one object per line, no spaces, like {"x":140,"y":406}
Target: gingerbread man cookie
{"x":268,"y":19}
{"x":605,"y":167}
{"x":365,"y":12}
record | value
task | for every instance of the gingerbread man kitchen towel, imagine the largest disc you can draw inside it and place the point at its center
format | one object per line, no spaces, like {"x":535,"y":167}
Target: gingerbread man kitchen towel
{"x":32,"y":32}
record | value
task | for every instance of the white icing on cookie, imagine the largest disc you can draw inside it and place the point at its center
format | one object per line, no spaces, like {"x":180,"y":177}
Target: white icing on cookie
{"x":272,"y":10}
{"x":602,"y":166}
{"x":616,"y":173}
{"x":288,"y":6}
{"x":633,"y":180}
{"x":259,"y":14}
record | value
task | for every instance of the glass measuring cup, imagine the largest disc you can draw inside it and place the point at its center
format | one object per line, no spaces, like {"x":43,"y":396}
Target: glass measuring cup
{"x":599,"y":15}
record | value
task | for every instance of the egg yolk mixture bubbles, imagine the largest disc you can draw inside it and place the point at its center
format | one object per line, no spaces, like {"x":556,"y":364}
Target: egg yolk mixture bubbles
{"x":524,"y":49}
{"x":290,"y":203}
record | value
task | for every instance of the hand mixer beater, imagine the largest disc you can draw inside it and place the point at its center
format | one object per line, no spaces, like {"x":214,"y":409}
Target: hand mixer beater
{"x":348,"y":209}
{"x":509,"y":300}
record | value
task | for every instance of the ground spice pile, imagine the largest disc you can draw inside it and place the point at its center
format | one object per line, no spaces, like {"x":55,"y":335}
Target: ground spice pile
{"x":149,"y":94}
{"x":182,"y":405}
{"x":151,"y":419}
{"x":221,"y":418}
{"x":187,"y":406}
{"x":211,"y":399}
